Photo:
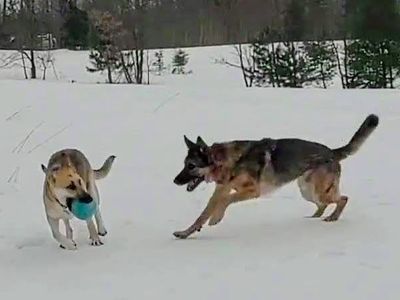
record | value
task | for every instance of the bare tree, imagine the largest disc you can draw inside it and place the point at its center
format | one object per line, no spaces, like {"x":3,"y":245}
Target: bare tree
{"x":46,"y":60}
{"x":245,"y":62}
{"x":134,"y":19}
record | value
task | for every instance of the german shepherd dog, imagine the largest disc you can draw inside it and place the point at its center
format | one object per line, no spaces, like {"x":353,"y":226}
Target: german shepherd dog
{"x":70,"y":176}
{"x":244,"y":170}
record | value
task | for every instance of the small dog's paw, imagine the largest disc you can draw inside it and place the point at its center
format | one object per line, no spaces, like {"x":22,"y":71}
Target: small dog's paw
{"x":96,"y":242}
{"x":69,"y":245}
{"x":102,"y":232}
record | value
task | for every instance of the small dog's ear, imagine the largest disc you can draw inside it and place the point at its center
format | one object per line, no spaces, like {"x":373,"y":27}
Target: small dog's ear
{"x":189,"y":143}
{"x":200,"y":142}
{"x":44,"y":169}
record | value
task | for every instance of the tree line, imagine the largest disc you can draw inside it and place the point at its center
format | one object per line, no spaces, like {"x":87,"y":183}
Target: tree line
{"x":176,"y":23}
{"x":292,"y":41}
{"x":366,"y":54}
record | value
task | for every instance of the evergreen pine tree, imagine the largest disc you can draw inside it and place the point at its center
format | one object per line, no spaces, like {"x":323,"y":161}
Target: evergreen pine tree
{"x":179,"y":62}
{"x":76,"y":28}
{"x":374,"y":57}
{"x":321,"y":64}
{"x":106,"y":54}
{"x":265,"y":52}
{"x":262,"y":58}
{"x":290,"y":65}
{"x":373,"y":64}
{"x":159,"y":62}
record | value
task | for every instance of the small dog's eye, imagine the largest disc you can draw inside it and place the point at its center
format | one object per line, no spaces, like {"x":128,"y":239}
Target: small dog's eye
{"x":191,"y":166}
{"x":72,"y":186}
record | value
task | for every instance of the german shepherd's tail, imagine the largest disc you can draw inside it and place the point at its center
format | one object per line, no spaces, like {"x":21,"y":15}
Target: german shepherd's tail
{"x":105,"y":169}
{"x":365,"y":130}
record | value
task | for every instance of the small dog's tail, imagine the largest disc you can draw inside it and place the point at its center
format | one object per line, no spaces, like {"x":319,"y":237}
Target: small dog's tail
{"x":365,"y":130}
{"x":105,"y":169}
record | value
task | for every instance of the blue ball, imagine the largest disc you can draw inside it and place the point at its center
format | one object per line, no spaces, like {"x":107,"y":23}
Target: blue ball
{"x":83,"y":210}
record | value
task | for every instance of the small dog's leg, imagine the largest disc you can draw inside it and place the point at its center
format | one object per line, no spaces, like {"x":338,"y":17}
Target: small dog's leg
{"x":65,"y":243}
{"x":340,"y":204}
{"x":220,"y":193}
{"x":94,"y":236}
{"x":320,"y":211}
{"x":219,"y":211}
{"x":101,"y":229}
{"x":100,"y":224}
{"x":68,"y":229}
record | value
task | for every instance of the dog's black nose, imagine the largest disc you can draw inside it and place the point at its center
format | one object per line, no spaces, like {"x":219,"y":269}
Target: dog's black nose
{"x":86,"y":198}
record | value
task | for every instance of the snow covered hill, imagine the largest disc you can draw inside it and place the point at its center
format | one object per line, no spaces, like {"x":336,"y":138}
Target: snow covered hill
{"x":263,"y":249}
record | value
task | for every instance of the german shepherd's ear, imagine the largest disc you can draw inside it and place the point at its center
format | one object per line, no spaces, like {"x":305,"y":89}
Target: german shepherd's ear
{"x":200,"y":142}
{"x":44,"y":169}
{"x":189,"y":143}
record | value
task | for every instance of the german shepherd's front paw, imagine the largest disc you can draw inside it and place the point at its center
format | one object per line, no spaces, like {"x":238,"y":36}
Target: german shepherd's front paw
{"x":181,"y":234}
{"x":69,"y":245}
{"x":96,"y":242}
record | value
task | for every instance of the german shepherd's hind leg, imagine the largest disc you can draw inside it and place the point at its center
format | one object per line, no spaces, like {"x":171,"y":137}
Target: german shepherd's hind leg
{"x":320,"y":211}
{"x":340,"y":205}
{"x":332,"y":193}
{"x":307,"y":187}
{"x":321,"y":186}
{"x":220,"y":194}
{"x":65,"y":243}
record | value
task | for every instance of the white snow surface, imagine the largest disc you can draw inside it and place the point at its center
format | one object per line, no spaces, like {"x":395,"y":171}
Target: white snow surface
{"x":263,"y":249}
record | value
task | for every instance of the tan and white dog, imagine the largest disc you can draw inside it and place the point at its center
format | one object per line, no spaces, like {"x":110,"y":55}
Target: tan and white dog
{"x":70,"y":176}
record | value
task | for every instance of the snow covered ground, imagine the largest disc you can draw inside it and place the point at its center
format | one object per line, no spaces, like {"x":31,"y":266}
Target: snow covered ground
{"x":263,"y":249}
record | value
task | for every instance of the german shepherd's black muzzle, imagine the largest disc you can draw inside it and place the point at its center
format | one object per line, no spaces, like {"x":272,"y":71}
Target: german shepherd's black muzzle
{"x":185,"y":178}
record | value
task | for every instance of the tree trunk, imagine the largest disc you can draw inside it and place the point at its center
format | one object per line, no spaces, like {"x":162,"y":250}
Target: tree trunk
{"x":109,"y":74}
{"x":323,"y":75}
{"x":383,"y":56}
{"x":273,"y":67}
{"x":391,"y":77}
{"x":240,"y":53}
{"x":339,"y":64}
{"x":148,"y":66}
{"x":128,"y":76}
{"x":4,"y":11}
{"x":293,"y":74}
{"x":346,"y":63}
{"x":139,"y":66}
{"x":33,"y":64}
{"x":24,"y":65}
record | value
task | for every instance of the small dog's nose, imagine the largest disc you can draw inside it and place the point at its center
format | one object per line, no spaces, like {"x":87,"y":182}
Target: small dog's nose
{"x":86,"y":198}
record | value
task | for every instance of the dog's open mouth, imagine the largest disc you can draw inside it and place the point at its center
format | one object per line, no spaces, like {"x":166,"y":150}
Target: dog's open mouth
{"x":194,"y":183}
